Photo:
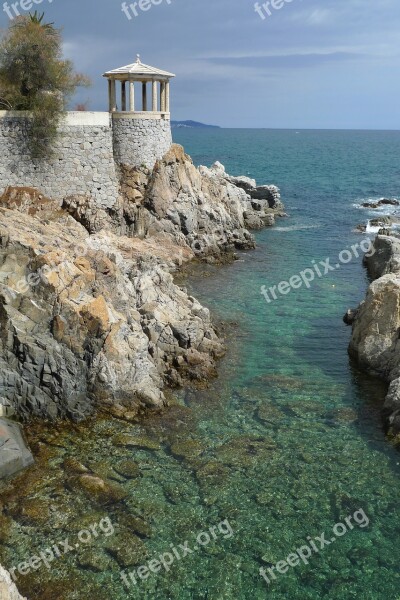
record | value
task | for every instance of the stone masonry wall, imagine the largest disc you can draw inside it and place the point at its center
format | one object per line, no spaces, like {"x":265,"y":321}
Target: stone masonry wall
{"x":142,"y":140}
{"x":83,"y":161}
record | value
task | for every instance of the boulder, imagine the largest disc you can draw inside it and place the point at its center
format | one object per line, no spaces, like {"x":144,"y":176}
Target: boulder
{"x":350,"y":316}
{"x":14,"y":453}
{"x":8,"y":591}
{"x":375,"y":338}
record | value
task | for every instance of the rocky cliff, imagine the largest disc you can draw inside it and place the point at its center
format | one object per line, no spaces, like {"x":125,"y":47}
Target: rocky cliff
{"x":375,"y":341}
{"x":89,"y":311}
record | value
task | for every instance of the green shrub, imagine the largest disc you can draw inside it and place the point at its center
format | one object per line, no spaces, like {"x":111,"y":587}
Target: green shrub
{"x":34,"y":77}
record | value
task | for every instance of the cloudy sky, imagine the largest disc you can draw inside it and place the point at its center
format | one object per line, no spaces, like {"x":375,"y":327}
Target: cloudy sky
{"x":311,"y":64}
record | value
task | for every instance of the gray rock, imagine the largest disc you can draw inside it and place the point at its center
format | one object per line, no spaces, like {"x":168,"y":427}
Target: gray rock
{"x":14,"y":454}
{"x":386,"y":256}
{"x":210,"y":208}
{"x":245,"y":183}
{"x":380,"y":203}
{"x":350,"y":316}
{"x":375,"y":341}
{"x":270,"y":194}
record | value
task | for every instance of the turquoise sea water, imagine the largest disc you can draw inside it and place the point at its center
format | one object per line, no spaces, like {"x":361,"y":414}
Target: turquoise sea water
{"x":286,"y":443}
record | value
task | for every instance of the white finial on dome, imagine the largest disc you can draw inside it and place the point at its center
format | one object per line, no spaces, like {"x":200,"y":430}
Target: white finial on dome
{"x":138,"y":59}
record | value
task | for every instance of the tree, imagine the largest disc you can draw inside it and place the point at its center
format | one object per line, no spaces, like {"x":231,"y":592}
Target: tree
{"x":34,"y":77}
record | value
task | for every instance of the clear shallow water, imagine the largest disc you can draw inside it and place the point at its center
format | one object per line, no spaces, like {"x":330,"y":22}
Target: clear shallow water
{"x":284,"y":444}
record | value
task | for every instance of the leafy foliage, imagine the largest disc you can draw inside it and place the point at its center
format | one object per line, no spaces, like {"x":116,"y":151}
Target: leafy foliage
{"x":36,"y":18}
{"x":34,"y":77}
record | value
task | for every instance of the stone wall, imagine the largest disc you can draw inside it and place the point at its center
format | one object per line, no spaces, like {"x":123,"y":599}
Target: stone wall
{"x":87,"y":153}
{"x":82,"y":162}
{"x":141,"y":140}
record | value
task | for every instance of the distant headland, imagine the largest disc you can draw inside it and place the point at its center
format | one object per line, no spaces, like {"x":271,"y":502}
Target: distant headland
{"x":192,"y":124}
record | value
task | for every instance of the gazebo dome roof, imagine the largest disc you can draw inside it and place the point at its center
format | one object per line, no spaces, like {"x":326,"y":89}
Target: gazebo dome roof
{"x":138,"y":70}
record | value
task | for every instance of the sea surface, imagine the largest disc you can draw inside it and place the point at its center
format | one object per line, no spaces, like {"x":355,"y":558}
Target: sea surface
{"x":284,"y":445}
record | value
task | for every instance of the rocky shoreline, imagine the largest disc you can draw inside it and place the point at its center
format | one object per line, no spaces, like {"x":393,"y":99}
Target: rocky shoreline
{"x":91,"y":317}
{"x":90,"y":313}
{"x":375,"y":341}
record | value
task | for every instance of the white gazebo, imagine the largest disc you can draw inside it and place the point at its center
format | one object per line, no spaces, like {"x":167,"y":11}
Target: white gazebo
{"x":141,"y":74}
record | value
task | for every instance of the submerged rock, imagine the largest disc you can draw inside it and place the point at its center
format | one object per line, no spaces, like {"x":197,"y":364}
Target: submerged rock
{"x":343,"y":415}
{"x":72,"y":465}
{"x":245,"y":451}
{"x":128,"y":550}
{"x":130,"y":441}
{"x":269,"y":413}
{"x":30,"y":511}
{"x":94,"y":559}
{"x":96,"y":489}
{"x":187,"y":449}
{"x":136,"y":525}
{"x":128,"y":469}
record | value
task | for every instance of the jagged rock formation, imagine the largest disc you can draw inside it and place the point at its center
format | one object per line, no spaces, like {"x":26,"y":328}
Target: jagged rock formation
{"x":8,"y":591}
{"x":99,"y":319}
{"x":204,"y":209}
{"x":375,"y":341}
{"x":90,"y":314}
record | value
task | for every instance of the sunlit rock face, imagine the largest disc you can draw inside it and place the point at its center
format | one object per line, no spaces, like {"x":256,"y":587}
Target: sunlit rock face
{"x":8,"y":591}
{"x":86,"y":319}
{"x":210,"y":208}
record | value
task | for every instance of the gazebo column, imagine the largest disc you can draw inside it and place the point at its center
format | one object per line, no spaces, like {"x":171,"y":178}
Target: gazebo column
{"x":144,"y":96}
{"x":167,"y":97}
{"x":123,"y":96}
{"x":109,"y":95}
{"x":163,"y":96}
{"x":155,"y":99}
{"x":113,"y":96}
{"x":131,"y":96}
